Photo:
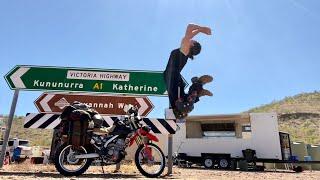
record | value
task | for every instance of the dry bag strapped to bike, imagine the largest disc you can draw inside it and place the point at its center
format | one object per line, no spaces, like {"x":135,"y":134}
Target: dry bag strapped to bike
{"x":74,"y":126}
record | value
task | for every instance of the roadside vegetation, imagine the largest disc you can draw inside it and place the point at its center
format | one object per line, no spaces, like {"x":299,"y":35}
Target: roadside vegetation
{"x":36,"y":137}
{"x":299,"y":115}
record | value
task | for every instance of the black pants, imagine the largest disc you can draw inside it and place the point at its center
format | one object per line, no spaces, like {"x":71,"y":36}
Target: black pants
{"x":173,"y":78}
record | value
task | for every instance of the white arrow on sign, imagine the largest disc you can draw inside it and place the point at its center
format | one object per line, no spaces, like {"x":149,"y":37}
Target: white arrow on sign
{"x":143,"y":105}
{"x":16,"y":77}
{"x":44,"y":102}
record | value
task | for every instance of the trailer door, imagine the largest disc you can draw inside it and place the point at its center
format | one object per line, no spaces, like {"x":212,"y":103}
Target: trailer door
{"x":265,"y":135}
{"x":285,"y":145}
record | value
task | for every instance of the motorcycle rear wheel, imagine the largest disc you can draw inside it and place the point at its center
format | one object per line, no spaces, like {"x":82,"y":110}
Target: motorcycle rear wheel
{"x":63,"y":161}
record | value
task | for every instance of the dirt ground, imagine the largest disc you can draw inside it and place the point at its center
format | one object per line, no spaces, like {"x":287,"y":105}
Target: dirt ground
{"x":28,"y":171}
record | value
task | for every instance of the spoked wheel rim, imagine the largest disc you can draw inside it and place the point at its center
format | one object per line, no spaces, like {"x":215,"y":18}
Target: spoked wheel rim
{"x":67,"y":159}
{"x":151,"y":165}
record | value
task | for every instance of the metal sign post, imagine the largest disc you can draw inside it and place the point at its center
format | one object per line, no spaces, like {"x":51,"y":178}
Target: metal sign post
{"x":170,"y":116}
{"x":170,"y":162}
{"x":7,"y":134}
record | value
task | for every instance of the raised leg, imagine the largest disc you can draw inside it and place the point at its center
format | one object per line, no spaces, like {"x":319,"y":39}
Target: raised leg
{"x":196,"y":89}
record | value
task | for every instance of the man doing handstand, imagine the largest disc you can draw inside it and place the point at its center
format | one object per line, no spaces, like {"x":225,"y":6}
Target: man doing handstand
{"x":180,"y":102}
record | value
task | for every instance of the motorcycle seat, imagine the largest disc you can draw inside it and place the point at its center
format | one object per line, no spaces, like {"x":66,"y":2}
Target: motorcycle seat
{"x":103,"y":130}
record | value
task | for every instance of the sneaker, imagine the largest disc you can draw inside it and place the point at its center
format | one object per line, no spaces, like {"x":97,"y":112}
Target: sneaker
{"x":205,"y":92}
{"x":194,"y":79}
{"x":205,"y":79}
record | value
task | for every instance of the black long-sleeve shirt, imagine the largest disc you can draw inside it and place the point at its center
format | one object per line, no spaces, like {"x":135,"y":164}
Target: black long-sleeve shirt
{"x":172,"y":76}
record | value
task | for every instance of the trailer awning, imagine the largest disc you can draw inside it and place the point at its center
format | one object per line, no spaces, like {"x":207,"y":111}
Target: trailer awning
{"x":243,"y":118}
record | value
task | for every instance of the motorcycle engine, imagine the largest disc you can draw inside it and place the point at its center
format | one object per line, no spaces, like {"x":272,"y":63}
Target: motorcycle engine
{"x":115,"y":151}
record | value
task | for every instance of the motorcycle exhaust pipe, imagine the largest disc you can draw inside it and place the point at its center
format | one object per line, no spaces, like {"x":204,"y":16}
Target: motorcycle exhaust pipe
{"x":87,"y":156}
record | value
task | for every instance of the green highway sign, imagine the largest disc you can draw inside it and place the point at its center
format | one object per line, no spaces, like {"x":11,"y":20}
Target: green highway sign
{"x":86,"y":80}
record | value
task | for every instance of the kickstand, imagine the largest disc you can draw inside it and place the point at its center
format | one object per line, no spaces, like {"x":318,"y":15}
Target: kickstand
{"x":102,"y":163}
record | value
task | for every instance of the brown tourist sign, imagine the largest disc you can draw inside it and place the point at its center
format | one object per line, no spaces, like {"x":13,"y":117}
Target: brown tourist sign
{"x":104,"y":104}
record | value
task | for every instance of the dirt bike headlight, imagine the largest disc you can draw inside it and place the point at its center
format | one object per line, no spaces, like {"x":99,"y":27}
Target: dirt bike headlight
{"x":146,"y":128}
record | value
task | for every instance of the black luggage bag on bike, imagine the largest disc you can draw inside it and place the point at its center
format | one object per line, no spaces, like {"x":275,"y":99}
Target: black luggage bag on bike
{"x":74,"y":126}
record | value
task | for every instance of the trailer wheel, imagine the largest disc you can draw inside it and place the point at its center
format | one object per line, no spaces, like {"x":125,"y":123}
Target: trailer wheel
{"x":233,"y":164}
{"x":298,"y":169}
{"x":208,"y":162}
{"x":224,"y":163}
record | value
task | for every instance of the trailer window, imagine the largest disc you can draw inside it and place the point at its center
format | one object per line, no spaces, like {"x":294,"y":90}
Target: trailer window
{"x":218,"y":130}
{"x":10,"y":143}
{"x":193,"y":130}
{"x":23,"y":143}
{"x":246,"y":131}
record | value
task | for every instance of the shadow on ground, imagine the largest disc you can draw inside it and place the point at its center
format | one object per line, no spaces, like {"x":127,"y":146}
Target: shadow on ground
{"x":87,"y":176}
{"x":250,"y":171}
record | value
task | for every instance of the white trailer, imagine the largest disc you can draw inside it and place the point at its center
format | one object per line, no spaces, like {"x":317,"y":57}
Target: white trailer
{"x":217,"y":140}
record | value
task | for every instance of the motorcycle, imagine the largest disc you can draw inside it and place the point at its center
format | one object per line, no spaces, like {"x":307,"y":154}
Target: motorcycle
{"x":109,"y":144}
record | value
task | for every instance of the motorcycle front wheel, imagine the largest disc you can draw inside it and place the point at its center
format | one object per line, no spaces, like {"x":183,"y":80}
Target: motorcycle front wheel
{"x":150,"y":160}
{"x":66,"y":163}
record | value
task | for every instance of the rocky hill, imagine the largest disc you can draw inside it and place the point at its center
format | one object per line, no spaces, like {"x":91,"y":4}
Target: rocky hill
{"x":36,"y":137}
{"x":299,"y":115}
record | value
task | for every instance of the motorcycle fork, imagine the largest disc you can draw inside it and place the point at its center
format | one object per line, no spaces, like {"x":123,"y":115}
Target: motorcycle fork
{"x":139,"y":140}
{"x":147,"y":150}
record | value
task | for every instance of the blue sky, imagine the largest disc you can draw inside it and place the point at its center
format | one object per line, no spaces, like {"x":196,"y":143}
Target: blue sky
{"x":260,"y":51}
